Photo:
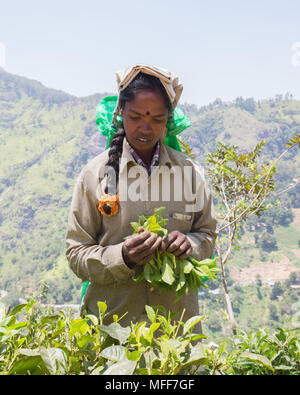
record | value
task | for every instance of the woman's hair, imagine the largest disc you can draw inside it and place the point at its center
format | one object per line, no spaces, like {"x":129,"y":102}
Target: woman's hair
{"x":142,"y":82}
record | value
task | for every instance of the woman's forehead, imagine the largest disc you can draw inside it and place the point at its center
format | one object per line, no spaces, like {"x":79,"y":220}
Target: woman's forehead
{"x":147,"y":102}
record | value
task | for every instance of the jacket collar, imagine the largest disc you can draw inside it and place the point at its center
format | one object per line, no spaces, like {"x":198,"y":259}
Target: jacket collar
{"x":127,"y":159}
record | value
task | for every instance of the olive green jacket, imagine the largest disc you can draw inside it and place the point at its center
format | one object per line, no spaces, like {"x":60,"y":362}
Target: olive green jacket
{"x":94,"y":242}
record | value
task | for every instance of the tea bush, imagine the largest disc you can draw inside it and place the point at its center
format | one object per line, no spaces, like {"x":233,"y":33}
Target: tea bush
{"x":39,"y":341}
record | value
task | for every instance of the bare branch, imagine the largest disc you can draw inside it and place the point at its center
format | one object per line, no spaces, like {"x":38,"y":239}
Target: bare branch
{"x":260,"y":192}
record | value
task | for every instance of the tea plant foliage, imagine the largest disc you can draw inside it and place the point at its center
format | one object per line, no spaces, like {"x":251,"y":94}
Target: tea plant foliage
{"x":38,"y":342}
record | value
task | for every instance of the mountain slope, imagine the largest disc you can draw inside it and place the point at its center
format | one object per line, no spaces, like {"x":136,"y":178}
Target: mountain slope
{"x":46,"y":136}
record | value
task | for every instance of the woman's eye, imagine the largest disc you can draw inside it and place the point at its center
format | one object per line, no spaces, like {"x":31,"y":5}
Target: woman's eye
{"x":134,"y":118}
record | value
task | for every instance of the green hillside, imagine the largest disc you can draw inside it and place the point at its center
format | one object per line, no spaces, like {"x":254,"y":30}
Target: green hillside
{"x":47,"y":136}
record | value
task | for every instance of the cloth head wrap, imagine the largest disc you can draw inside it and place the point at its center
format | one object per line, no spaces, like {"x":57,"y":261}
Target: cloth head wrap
{"x":108,"y":120}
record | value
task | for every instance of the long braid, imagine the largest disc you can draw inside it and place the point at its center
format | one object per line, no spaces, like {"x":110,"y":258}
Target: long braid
{"x":114,"y":155}
{"x":142,"y":82}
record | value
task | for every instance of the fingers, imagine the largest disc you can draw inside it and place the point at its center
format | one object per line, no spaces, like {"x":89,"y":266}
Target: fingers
{"x":148,"y":254}
{"x":178,"y":244}
{"x":140,"y":248}
{"x":149,"y":245}
{"x":185,"y":254}
{"x":137,"y":239}
{"x":172,"y":242}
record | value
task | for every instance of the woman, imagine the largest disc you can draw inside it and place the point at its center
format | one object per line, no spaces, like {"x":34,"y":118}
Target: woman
{"x":138,"y":173}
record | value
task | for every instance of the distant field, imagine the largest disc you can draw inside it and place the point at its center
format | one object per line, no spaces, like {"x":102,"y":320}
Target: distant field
{"x":278,"y":265}
{"x":268,"y":271}
{"x":296,"y":213}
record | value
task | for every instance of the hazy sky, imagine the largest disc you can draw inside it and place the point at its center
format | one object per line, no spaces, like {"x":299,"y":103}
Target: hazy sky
{"x":218,"y":48}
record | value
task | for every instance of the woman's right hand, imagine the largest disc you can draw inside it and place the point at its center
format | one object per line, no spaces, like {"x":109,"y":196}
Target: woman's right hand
{"x":140,"y":248}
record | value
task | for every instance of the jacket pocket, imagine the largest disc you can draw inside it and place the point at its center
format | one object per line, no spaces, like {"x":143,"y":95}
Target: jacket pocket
{"x":180,"y":221}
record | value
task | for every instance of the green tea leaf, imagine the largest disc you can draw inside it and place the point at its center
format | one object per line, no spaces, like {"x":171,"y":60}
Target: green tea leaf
{"x":29,"y":305}
{"x":29,"y":352}
{"x":135,"y":226}
{"x":196,"y":357}
{"x":261,"y":359}
{"x":121,"y":368}
{"x":84,"y":340}
{"x":147,"y":271}
{"x":115,"y":353}
{"x":28,"y":364}
{"x":153,"y":328}
{"x":17,"y":309}
{"x":190,"y":323}
{"x":142,"y":219}
{"x":139,"y":278}
{"x":187,"y":266}
{"x":92,"y":318}
{"x":181,"y":282}
{"x":116,"y":331}
{"x":18,"y":325}
{"x":162,"y":232}
{"x":167,"y":272}
{"x":133,"y":355}
{"x":78,"y":326}
{"x":157,"y":211}
{"x":150,"y":313}
{"x":54,"y":359}
{"x":102,"y":306}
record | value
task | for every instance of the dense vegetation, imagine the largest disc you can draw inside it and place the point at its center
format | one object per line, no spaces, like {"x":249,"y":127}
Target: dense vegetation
{"x":47,"y":136}
{"x":44,"y":342}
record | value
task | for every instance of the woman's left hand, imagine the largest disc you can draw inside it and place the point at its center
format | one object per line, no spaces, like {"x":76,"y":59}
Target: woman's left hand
{"x":176,"y":243}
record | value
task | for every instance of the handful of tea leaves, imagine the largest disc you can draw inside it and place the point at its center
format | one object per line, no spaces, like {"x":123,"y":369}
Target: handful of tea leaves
{"x":165,"y":271}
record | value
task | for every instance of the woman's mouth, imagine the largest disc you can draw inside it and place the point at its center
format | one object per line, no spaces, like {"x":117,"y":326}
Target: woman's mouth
{"x":143,"y":139}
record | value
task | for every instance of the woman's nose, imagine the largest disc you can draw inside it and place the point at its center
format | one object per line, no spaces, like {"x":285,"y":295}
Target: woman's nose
{"x":145,"y":126}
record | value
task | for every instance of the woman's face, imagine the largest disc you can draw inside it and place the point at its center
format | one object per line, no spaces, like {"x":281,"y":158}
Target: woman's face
{"x":144,"y":119}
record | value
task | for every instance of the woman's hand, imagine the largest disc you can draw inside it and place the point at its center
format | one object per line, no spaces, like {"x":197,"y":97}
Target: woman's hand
{"x":140,"y":248}
{"x":178,"y":244}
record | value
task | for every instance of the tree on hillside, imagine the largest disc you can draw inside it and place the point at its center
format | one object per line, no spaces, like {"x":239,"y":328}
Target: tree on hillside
{"x":241,"y":185}
{"x":267,"y":242}
{"x":245,"y":104}
{"x":277,"y":290}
